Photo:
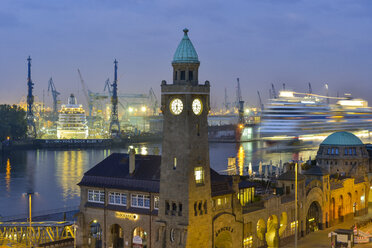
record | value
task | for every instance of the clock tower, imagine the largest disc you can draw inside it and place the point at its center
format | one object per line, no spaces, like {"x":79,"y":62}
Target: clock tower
{"x":185,"y":188}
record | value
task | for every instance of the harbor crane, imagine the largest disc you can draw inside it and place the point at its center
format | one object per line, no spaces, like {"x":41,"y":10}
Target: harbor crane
{"x":153,"y":100}
{"x":310,"y":89}
{"x":108,"y":87}
{"x":55,"y":94}
{"x":30,"y":117}
{"x":226,"y":103}
{"x":260,"y":101}
{"x":239,"y":102}
{"x":114,"y":122}
{"x":273,"y":91}
{"x":86,"y":94}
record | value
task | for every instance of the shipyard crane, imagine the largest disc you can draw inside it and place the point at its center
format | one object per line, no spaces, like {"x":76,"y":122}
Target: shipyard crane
{"x":114,"y":122}
{"x":239,"y":102}
{"x":153,"y":100}
{"x":86,"y":94}
{"x":283,"y":86}
{"x":55,"y":94}
{"x":226,"y":103}
{"x":108,"y":87}
{"x":310,"y":89}
{"x":260,"y":100}
{"x":31,"y":127}
{"x":273,"y":91}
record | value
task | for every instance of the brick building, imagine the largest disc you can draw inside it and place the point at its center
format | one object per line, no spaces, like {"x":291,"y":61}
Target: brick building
{"x":177,"y":200}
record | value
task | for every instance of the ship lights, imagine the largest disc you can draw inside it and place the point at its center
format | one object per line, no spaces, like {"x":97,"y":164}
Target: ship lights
{"x":286,"y":94}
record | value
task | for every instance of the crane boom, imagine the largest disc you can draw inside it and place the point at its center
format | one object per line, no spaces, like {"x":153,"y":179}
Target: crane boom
{"x":55,"y":94}
{"x":260,"y":100}
{"x":273,"y":90}
{"x":86,"y":93}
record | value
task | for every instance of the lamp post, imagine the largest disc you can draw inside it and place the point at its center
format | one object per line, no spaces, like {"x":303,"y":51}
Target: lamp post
{"x":296,"y":231}
{"x":29,"y":194}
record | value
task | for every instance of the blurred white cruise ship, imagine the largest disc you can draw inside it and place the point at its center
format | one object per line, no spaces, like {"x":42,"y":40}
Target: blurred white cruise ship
{"x":72,"y":123}
{"x":306,"y":116}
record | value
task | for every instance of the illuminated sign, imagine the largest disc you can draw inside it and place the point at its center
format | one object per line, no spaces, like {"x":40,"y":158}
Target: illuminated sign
{"x":122,"y":215}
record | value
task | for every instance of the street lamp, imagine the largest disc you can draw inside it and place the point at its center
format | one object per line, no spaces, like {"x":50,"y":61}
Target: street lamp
{"x":29,"y":194}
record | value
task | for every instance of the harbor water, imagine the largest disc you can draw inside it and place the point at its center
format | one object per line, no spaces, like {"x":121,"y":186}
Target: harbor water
{"x":54,"y":174}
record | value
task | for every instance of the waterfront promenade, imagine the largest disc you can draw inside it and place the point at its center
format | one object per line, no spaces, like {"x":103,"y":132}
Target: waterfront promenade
{"x":320,"y":238}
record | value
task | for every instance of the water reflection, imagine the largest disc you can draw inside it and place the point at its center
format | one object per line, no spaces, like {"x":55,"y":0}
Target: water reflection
{"x":7,"y":174}
{"x":241,"y":160}
{"x":70,"y":169}
{"x":250,"y":154}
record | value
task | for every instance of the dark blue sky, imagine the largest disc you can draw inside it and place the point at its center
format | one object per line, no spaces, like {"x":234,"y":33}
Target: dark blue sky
{"x":260,"y":41}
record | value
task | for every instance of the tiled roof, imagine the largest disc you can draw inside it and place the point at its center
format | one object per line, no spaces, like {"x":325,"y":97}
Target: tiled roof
{"x":113,"y":172}
{"x":315,"y":170}
{"x":290,"y":176}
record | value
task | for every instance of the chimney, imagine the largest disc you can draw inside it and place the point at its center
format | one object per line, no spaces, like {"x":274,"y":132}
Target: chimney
{"x":132,"y":160}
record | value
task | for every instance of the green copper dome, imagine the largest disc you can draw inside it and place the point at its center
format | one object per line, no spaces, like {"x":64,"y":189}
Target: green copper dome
{"x":342,"y":139}
{"x":185,"y":52}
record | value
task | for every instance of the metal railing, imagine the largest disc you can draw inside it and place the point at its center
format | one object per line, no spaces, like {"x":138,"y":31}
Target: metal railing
{"x":40,"y":213}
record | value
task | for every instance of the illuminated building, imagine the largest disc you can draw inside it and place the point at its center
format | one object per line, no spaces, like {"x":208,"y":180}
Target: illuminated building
{"x":177,"y":200}
{"x":72,"y":122}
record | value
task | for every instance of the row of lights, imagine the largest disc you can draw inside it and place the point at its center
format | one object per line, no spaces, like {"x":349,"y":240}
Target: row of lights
{"x":143,"y":109}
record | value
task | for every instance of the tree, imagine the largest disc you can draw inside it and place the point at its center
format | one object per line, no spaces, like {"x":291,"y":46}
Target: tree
{"x":13,"y":122}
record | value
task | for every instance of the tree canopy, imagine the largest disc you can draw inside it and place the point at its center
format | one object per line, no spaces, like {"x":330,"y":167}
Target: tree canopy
{"x":13,"y":122}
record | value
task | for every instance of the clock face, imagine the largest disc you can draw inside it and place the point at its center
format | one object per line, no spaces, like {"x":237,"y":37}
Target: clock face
{"x":176,"y":106}
{"x":197,"y":106}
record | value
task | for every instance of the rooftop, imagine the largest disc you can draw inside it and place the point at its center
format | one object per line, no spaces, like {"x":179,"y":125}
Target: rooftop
{"x":315,"y":170}
{"x":185,"y":52}
{"x":113,"y":172}
{"x":290,"y":176}
{"x":342,"y":139}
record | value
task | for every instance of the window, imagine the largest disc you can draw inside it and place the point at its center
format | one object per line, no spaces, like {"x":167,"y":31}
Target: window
{"x":117,"y":198}
{"x":248,"y":242}
{"x":354,"y":151}
{"x":183,"y":75}
{"x":175,"y":163}
{"x":336,"y":151}
{"x":350,"y":151}
{"x":96,"y":196}
{"x":333,"y":151}
{"x":180,"y":209}
{"x":328,"y":151}
{"x":245,"y":196}
{"x":191,"y":75}
{"x":156,"y":202}
{"x":140,"y":201}
{"x":199,"y":175}
{"x":345,"y":151}
{"x":175,"y":76}
{"x":167,"y":207}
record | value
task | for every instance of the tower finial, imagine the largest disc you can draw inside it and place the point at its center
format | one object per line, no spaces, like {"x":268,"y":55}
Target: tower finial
{"x":185,"y":30}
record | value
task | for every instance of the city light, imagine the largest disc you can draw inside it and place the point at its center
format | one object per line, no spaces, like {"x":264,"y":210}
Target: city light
{"x":143,"y":109}
{"x":130,"y":109}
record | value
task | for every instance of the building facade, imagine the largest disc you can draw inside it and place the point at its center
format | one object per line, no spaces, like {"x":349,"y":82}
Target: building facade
{"x":177,"y":200}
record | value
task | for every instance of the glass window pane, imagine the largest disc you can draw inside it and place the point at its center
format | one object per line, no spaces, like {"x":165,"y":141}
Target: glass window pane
{"x":123,"y":199}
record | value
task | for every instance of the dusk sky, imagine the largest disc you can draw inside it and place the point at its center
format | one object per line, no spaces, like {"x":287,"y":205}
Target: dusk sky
{"x":260,"y":41}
